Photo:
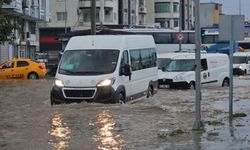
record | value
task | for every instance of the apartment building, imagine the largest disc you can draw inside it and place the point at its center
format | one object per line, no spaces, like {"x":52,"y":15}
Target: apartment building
{"x":210,"y":14}
{"x":24,"y":14}
{"x":167,"y":13}
{"x":75,"y":15}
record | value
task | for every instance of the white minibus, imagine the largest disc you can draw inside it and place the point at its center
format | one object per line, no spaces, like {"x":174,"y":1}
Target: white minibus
{"x":241,"y":63}
{"x":177,"y":70}
{"x":106,"y":69}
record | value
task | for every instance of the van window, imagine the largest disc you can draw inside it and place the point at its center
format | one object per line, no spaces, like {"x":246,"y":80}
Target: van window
{"x":203,"y":64}
{"x":180,"y":65}
{"x":239,"y":59}
{"x":143,"y":58}
{"x":124,"y":60}
{"x":163,"y":62}
{"x":88,"y":62}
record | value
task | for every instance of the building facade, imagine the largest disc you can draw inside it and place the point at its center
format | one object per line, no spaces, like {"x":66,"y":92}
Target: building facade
{"x":167,"y":13}
{"x":24,"y":14}
{"x":210,"y":14}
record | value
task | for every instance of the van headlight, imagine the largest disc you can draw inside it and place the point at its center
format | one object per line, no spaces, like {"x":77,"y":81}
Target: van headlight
{"x":179,"y":77}
{"x":106,"y":82}
{"x":59,"y":83}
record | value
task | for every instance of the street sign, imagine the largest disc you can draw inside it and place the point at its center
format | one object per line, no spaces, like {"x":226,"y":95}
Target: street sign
{"x":231,"y":28}
{"x":180,"y":36}
{"x":231,"y":24}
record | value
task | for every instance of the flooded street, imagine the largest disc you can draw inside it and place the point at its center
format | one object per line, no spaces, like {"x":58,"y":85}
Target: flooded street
{"x":165,"y":121}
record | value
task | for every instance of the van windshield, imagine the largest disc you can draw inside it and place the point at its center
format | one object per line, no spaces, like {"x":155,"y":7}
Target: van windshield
{"x":88,"y":62}
{"x":180,"y":65}
{"x":163,"y":62}
{"x":239,"y":59}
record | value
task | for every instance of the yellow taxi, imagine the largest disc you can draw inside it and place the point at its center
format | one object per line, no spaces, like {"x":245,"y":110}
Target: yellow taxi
{"x":22,"y":68}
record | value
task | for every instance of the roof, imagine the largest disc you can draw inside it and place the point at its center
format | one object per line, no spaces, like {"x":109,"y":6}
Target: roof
{"x":187,"y":55}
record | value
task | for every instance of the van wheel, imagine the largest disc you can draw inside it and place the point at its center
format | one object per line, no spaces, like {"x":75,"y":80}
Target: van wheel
{"x":32,"y":75}
{"x":245,"y":72}
{"x":192,"y":85}
{"x":121,"y":98}
{"x":150,"y":92}
{"x":225,"y":82}
{"x":53,"y":102}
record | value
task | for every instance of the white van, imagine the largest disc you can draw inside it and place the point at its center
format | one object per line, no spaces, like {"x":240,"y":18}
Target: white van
{"x":106,"y":68}
{"x":241,"y":63}
{"x":179,"y":70}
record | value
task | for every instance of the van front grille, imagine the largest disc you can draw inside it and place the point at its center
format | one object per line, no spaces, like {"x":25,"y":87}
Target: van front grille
{"x":79,"y":93}
{"x":165,"y":81}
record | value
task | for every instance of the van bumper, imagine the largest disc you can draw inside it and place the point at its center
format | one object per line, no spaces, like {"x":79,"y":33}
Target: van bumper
{"x":102,"y":95}
{"x":168,"y":83}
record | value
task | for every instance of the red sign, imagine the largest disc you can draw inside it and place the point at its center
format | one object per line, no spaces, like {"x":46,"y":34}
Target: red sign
{"x":180,"y":36}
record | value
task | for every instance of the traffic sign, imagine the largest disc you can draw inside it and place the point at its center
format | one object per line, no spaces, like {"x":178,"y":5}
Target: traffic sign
{"x":180,"y":36}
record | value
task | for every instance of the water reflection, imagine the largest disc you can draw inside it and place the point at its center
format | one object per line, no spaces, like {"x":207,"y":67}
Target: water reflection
{"x":59,"y":133}
{"x":106,"y":136}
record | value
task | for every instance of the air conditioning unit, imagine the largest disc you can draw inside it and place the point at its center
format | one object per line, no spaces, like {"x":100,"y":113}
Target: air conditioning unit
{"x":142,"y":9}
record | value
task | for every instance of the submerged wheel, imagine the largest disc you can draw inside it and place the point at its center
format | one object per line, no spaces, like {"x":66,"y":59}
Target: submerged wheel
{"x":32,"y":76}
{"x":121,"y":98}
{"x":150,"y":92}
{"x":225,"y":82}
{"x":192,"y":85}
{"x":245,"y":72}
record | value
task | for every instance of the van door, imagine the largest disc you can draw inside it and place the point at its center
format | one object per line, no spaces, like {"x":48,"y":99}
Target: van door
{"x":205,"y":73}
{"x":122,"y":79}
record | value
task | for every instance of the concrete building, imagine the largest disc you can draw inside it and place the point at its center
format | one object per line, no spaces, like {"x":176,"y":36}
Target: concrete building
{"x":24,"y":14}
{"x":167,"y":13}
{"x":210,"y":14}
{"x":74,"y":15}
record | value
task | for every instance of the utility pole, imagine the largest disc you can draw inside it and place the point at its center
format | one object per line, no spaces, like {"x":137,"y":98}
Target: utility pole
{"x":180,"y":22}
{"x":129,"y":12}
{"x":197,"y":124}
{"x":93,"y":17}
{"x":239,"y":7}
{"x":66,"y":16}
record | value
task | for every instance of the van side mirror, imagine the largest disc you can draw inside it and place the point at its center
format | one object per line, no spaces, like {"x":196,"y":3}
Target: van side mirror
{"x":125,"y":70}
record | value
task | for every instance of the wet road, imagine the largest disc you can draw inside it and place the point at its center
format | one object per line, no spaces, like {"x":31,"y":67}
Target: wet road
{"x":163,"y":122}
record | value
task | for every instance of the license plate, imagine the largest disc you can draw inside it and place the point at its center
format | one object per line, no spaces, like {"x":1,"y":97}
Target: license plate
{"x":164,"y":86}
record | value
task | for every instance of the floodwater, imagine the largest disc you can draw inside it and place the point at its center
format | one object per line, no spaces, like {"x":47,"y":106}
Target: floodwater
{"x":162,"y":122}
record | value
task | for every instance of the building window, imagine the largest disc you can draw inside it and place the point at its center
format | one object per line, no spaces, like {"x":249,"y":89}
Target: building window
{"x":176,"y":22}
{"x":162,"y":7}
{"x":87,"y":14}
{"x":165,"y":23}
{"x":176,"y":7}
{"x":61,"y":16}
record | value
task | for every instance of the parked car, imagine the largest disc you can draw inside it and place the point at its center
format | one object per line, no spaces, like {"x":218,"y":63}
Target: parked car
{"x":179,"y":71}
{"x":22,"y":68}
{"x":241,"y":63}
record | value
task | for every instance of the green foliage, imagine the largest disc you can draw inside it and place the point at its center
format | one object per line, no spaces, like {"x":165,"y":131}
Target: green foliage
{"x":5,"y":24}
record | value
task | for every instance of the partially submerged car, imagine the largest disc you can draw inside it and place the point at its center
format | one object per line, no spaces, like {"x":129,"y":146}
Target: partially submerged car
{"x":22,"y":68}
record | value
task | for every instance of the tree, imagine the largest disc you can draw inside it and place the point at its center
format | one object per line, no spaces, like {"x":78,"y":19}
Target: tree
{"x":5,"y":23}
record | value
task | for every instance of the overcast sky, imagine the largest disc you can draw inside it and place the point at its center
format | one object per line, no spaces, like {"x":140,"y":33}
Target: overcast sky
{"x":232,"y":7}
